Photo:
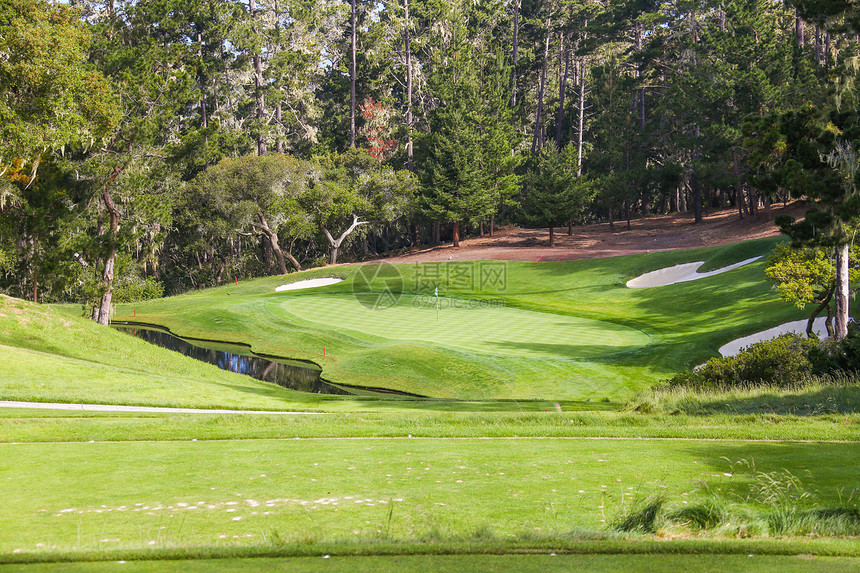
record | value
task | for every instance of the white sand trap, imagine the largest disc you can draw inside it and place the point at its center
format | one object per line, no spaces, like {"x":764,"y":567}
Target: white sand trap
{"x":796,"y":326}
{"x":680,"y":274}
{"x":309,"y":283}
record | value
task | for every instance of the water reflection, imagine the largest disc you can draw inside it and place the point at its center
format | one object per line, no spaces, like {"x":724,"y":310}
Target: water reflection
{"x":295,"y":375}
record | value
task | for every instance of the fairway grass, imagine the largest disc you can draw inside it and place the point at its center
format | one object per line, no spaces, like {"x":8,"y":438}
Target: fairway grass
{"x":139,"y":496}
{"x":566,"y":330}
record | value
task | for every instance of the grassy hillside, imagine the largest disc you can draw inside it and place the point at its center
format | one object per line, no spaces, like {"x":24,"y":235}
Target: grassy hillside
{"x":565,"y":330}
{"x":51,"y":355}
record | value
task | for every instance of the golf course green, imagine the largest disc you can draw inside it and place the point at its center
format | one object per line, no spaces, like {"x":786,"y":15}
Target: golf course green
{"x":559,"y":330}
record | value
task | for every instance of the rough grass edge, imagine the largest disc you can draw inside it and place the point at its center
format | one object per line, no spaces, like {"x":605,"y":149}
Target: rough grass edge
{"x":628,"y":546}
{"x":725,"y":398}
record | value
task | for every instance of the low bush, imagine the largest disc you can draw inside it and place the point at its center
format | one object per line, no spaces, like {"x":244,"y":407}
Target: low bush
{"x":136,"y":291}
{"x":780,"y":362}
{"x":830,"y":356}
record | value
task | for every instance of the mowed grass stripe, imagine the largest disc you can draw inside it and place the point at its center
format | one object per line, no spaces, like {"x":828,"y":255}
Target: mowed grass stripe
{"x":470,"y":324}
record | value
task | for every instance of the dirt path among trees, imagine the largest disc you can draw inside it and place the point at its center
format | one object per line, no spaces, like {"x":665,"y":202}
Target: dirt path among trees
{"x":657,"y":233}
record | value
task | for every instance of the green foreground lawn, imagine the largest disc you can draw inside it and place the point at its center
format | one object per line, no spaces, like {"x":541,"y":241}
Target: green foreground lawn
{"x":566,"y":330}
{"x":136,"y":497}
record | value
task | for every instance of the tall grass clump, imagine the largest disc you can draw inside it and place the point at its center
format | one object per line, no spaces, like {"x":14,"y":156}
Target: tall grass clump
{"x":837,"y":393}
{"x":775,"y":504}
{"x":642,"y":516}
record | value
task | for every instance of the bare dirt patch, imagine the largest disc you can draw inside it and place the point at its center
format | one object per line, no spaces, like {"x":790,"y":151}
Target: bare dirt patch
{"x":657,"y":233}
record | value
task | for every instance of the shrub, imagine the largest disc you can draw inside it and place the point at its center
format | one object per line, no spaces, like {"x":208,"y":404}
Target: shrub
{"x":831,"y":356}
{"x":135,"y":291}
{"x":779,"y":362}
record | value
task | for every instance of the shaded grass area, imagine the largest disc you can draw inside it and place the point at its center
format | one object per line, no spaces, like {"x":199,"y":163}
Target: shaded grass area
{"x":130,"y":498}
{"x":547,"y":560}
{"x":678,"y":325}
{"x":67,"y":426}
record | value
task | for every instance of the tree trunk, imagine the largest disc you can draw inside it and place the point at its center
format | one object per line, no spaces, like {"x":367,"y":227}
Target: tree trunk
{"x":697,"y":196}
{"x":627,"y":211}
{"x":538,"y":139}
{"x":569,"y":227}
{"x":268,"y":252}
{"x":562,"y":88}
{"x":258,"y":85}
{"x":798,"y":31}
{"x":456,"y":232}
{"x":492,"y":224}
{"x":753,"y":203}
{"x":272,"y":238}
{"x":352,"y":85}
{"x":581,"y":126}
{"x":204,"y":119}
{"x":410,"y":164}
{"x":293,"y":260}
{"x":551,"y":235}
{"x":818,"y":50}
{"x":515,"y":52}
{"x":335,"y":243}
{"x":110,"y":261}
{"x":824,"y":304}
{"x":739,"y":187}
{"x":639,"y":77}
{"x":279,"y":119}
{"x":842,"y":291}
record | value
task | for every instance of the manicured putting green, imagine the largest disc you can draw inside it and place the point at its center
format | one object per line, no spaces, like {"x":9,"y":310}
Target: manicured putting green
{"x":470,"y":324}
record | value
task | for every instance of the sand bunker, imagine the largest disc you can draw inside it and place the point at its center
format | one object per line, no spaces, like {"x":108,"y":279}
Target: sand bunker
{"x":796,"y":326}
{"x":680,"y":274}
{"x":309,"y":283}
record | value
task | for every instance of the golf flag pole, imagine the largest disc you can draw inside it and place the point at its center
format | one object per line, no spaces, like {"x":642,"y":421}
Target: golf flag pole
{"x":436,"y":293}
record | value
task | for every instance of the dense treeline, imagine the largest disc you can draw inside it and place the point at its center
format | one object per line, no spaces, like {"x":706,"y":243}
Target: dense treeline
{"x":163,"y":145}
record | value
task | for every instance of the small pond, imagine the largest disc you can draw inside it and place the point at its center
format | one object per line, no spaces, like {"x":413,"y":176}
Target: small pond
{"x":293,"y":374}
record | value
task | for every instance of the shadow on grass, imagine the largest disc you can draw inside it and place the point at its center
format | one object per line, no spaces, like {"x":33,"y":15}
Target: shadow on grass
{"x":766,"y":473}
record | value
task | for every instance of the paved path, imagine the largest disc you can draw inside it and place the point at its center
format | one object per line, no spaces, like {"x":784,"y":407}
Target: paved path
{"x":111,"y":408}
